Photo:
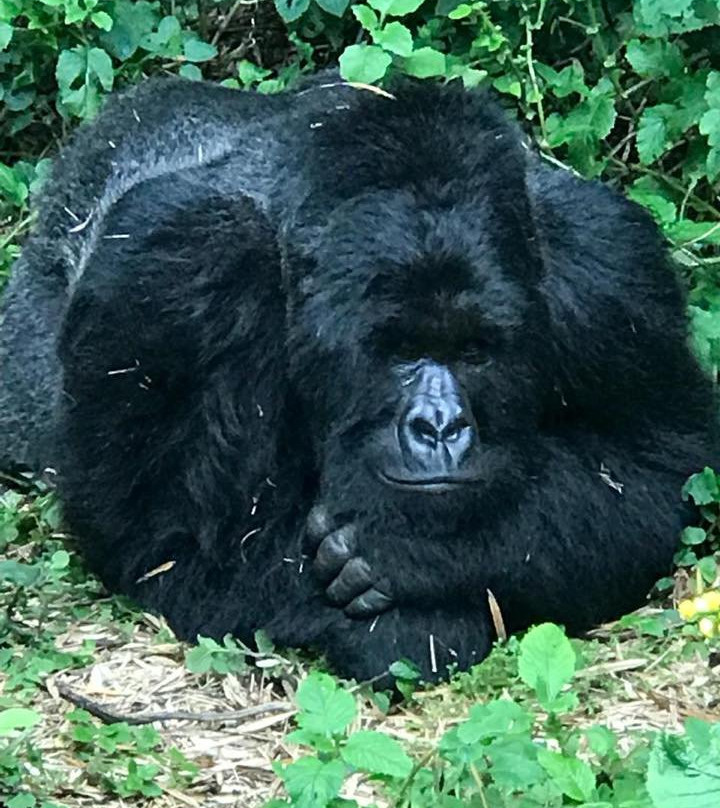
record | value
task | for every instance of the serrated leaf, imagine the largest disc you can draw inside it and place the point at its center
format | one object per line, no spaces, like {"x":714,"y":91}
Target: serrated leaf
{"x":546,"y":661}
{"x":291,"y":10}
{"x":312,"y":783}
{"x":710,"y":126}
{"x":712,"y":93}
{"x":196,"y":50}
{"x":325,"y":708}
{"x":654,"y":58}
{"x":571,"y":775}
{"x":703,"y":487}
{"x":653,"y":136}
{"x":395,"y":37}
{"x":685,"y":772}
{"x":499,"y":717}
{"x":376,"y":753}
{"x":663,"y":210}
{"x":17,"y":718}
{"x":712,"y":164}
{"x":364,"y":63}
{"x":131,"y":22}
{"x":425,"y":63}
{"x":366,"y":17}
{"x":514,"y":763}
{"x":335,"y":7}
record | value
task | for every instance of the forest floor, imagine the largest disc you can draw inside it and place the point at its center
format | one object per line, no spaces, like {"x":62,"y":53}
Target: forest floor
{"x":81,"y":661}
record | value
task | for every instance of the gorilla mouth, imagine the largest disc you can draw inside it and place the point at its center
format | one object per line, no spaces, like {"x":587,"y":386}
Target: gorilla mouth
{"x":433,"y":485}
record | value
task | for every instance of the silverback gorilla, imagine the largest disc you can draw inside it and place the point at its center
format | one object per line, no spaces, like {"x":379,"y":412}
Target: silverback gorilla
{"x":336,"y":363}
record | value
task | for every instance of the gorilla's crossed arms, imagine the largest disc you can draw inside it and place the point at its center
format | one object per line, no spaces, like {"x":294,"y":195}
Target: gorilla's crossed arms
{"x":335,"y":364}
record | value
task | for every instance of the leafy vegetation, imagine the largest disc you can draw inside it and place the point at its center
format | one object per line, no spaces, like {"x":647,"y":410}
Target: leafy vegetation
{"x":626,"y":91}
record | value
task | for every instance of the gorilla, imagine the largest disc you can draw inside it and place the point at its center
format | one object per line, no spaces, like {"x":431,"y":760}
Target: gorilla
{"x":339,"y":363}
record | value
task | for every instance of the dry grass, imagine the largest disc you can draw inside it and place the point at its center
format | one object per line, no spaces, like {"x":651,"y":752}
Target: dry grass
{"x":621,"y":689}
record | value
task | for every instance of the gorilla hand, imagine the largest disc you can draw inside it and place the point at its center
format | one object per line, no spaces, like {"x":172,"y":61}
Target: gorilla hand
{"x":349,"y":579}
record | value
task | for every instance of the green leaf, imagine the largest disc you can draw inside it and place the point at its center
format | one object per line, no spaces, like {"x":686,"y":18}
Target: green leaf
{"x":335,"y":7}
{"x":325,"y":708}
{"x":364,"y":63}
{"x":100,"y":64}
{"x":570,"y":774}
{"x":366,"y":17}
{"x":508,"y":85}
{"x":131,"y":23}
{"x":17,"y":718}
{"x":60,"y":560}
{"x":653,"y":136}
{"x":654,"y":58}
{"x":312,"y":783}
{"x":24,"y":800}
{"x":703,"y":487}
{"x":708,"y":569}
{"x":405,"y":669}
{"x":399,"y":8}
{"x":191,"y":72}
{"x":514,"y":763}
{"x":6,"y":34}
{"x":291,"y":10}
{"x":693,"y":535}
{"x":424,"y":63}
{"x":20,"y":574}
{"x":196,"y":50}
{"x":662,"y":209}
{"x":546,"y":661}
{"x":710,"y":126}
{"x":499,"y":717}
{"x":712,"y":93}
{"x":376,"y":753}
{"x":396,"y":38}
{"x":684,"y":772}
{"x":102,"y":20}
{"x":713,"y":164}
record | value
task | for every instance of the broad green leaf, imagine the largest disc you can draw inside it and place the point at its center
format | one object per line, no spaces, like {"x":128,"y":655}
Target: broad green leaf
{"x":312,"y":783}
{"x":514,"y":763}
{"x":102,"y":20}
{"x":710,"y":126}
{"x":291,"y":10}
{"x":684,"y":772}
{"x":20,"y":574}
{"x":424,"y":63}
{"x":399,"y":8}
{"x":376,"y":753}
{"x":6,"y":33}
{"x":712,"y":83}
{"x":168,"y":28}
{"x":395,"y":37}
{"x":60,"y":560}
{"x":713,"y":164}
{"x":703,"y":487}
{"x":654,"y":58}
{"x":16,"y":718}
{"x":570,"y":774}
{"x":499,"y":717}
{"x":662,"y":209}
{"x":366,"y":17}
{"x":198,"y":51}
{"x":693,"y":535}
{"x":325,"y":708}
{"x":508,"y":85}
{"x":653,"y":135}
{"x":100,"y":64}
{"x":192,"y":72}
{"x":335,"y":7}
{"x":546,"y":661}
{"x":364,"y":63}
{"x":131,"y":23}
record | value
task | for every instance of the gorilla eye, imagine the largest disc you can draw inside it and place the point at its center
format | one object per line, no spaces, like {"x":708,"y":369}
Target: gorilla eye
{"x":475,"y":352}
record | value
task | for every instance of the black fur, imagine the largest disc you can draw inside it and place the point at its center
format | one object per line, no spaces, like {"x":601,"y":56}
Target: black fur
{"x":210,"y":332}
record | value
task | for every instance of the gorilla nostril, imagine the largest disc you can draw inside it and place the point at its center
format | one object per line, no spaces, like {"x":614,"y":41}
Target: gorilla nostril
{"x":424,"y":430}
{"x":453,"y":430}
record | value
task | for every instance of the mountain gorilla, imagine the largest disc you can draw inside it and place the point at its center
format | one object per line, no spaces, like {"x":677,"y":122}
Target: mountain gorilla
{"x":336,"y":363}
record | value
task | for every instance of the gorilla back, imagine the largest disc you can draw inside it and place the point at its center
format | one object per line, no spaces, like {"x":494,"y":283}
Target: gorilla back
{"x":335,"y":364}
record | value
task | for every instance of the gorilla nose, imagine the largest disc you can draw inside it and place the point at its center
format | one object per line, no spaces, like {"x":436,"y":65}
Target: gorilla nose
{"x":435,"y":434}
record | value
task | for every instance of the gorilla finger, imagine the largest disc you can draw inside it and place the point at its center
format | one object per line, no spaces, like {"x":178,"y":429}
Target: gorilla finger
{"x":354,"y":578}
{"x":319,"y":523}
{"x":334,"y":552}
{"x":369,"y":604}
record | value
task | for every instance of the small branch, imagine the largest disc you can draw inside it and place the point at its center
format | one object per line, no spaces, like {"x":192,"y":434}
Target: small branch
{"x":110,"y":716}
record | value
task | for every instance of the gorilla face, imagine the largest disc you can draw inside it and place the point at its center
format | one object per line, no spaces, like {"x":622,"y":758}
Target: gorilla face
{"x":426,"y":377}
